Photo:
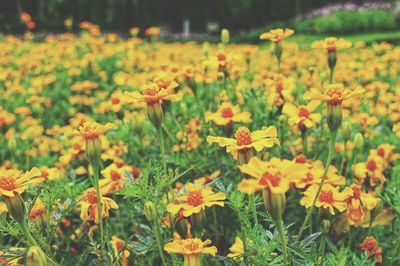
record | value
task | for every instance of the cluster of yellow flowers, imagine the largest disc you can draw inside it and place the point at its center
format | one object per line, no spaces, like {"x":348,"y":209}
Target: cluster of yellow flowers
{"x":268,"y":116}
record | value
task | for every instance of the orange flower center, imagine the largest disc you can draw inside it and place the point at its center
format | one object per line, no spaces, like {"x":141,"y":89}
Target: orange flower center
{"x":273,"y":178}
{"x":115,"y":100}
{"x":356,"y":192}
{"x":7,"y":183}
{"x":326,"y":196}
{"x":303,"y":112}
{"x":92,"y":197}
{"x":192,"y":246}
{"x":221,"y":57}
{"x":371,"y":165}
{"x":194,"y":198}
{"x":335,"y":96}
{"x":227,"y":112}
{"x":115,"y":175}
{"x":243,"y":136}
{"x":381,"y":152}
{"x":151,"y":91}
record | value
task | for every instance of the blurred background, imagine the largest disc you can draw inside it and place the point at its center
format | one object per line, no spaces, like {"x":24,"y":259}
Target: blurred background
{"x":196,"y":18}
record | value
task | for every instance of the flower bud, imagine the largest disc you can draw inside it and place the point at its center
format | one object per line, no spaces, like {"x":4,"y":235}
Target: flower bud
{"x":155,"y":114}
{"x":36,"y":257}
{"x":332,"y":60}
{"x":150,"y":211}
{"x":198,"y":220}
{"x":16,"y":207}
{"x":282,"y":120}
{"x":334,"y":116}
{"x":325,"y":226}
{"x":12,"y":144}
{"x":346,"y":130}
{"x":221,"y":77}
{"x":275,"y":203}
{"x":225,"y":36}
{"x":359,"y":141}
{"x":93,"y":150}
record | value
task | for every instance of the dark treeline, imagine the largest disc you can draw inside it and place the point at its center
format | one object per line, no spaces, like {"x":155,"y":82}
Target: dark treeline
{"x":120,"y":15}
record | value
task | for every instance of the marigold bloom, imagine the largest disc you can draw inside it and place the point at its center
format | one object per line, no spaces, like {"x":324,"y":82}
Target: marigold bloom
{"x":373,"y":169}
{"x":89,"y":206}
{"x":16,"y":182}
{"x":329,"y":198}
{"x":277,"y":35}
{"x":194,"y":198}
{"x":357,"y":203}
{"x":244,"y":139}
{"x":228,"y":113}
{"x":331,"y":44}
{"x":115,"y":177}
{"x":90,"y":130}
{"x":191,"y":249}
{"x":155,"y":93}
{"x":38,"y":213}
{"x":370,"y":245}
{"x":117,"y":244}
{"x":335,"y":94}
{"x":274,"y":175}
{"x":303,"y":115}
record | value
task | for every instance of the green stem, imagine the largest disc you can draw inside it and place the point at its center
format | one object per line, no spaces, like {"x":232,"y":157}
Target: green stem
{"x":305,"y":144}
{"x":253,"y":208}
{"x":162,"y":148}
{"x":157,"y":235}
{"x":95,"y":167}
{"x":279,"y":226}
{"x":321,"y":250}
{"x":327,"y":165}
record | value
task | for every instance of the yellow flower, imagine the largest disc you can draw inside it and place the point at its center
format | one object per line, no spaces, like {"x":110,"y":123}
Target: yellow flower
{"x":244,"y":139}
{"x":90,"y":130}
{"x":115,"y":177}
{"x":117,"y":244}
{"x":373,"y":169}
{"x":274,"y":175}
{"x":191,"y":249}
{"x":155,"y":93}
{"x":194,"y":198}
{"x":89,"y":206}
{"x":237,"y":249}
{"x":303,"y":115}
{"x":277,"y":35}
{"x":396,"y":129}
{"x":16,"y":182}
{"x":329,"y":198}
{"x":331,"y":44}
{"x":335,"y":94}
{"x":228,"y":113}
{"x":207,"y":178}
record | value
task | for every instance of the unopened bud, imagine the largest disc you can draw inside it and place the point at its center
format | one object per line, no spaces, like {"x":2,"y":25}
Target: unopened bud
{"x":150,"y":211}
{"x":346,"y":130}
{"x":155,"y":113}
{"x":278,"y":50}
{"x":275,"y":203}
{"x":225,"y":36}
{"x":221,"y":76}
{"x":198,"y":220}
{"x":36,"y":257}
{"x":16,"y":208}
{"x":359,"y":141}
{"x":325,"y":226}
{"x":93,"y":150}
{"x":282,"y":120}
{"x":332,"y":60}
{"x":12,"y":144}
{"x":334,"y":116}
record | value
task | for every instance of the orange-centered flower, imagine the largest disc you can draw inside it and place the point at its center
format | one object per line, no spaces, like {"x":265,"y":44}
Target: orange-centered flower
{"x":194,"y":198}
{"x":16,"y":182}
{"x":277,"y":35}
{"x":303,"y":115}
{"x":228,"y":113}
{"x":328,"y":198}
{"x":191,"y":249}
{"x":245,"y":139}
{"x":370,"y":245}
{"x":90,"y":130}
{"x":335,"y":94}
{"x":274,"y":175}
{"x":155,"y":93}
{"x":331,"y":44}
